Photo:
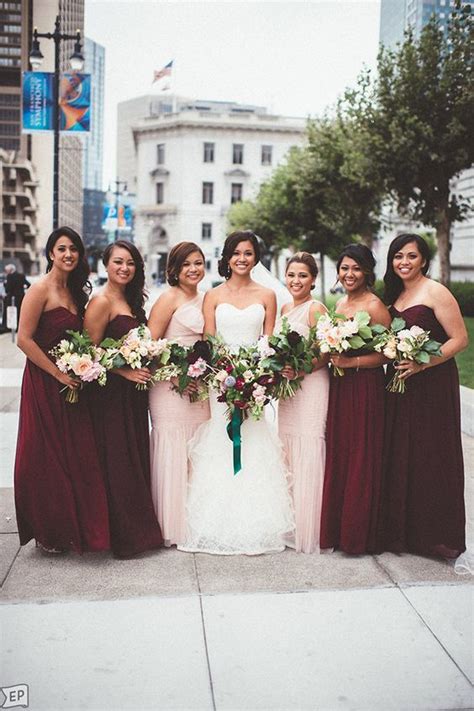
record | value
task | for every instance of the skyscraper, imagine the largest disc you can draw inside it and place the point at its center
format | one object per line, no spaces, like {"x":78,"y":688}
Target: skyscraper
{"x":94,"y":140}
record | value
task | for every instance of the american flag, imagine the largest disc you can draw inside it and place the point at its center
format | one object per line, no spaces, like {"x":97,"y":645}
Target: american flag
{"x":165,"y":72}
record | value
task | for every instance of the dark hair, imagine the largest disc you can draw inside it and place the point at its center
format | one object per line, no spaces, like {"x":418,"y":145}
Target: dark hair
{"x":78,"y":282}
{"x":229,"y":246}
{"x":176,"y":259}
{"x":135,"y":293}
{"x":364,"y":258}
{"x":393,"y":283}
{"x":308,"y":260}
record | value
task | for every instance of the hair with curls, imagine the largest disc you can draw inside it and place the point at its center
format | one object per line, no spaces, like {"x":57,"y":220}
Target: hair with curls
{"x":176,"y":259}
{"x":135,"y":293}
{"x":230,"y":244}
{"x":393,"y":283}
{"x":308,"y":260}
{"x":78,"y":282}
{"x":361,"y":254}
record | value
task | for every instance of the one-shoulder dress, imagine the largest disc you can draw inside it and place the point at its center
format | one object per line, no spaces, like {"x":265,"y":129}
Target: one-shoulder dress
{"x":302,"y":430}
{"x":174,"y":421}
{"x":423,"y":463}
{"x":59,"y":490}
{"x":120,"y":415}
{"x":350,"y":518}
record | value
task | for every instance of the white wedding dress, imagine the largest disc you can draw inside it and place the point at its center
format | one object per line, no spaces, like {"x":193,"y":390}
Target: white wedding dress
{"x":250,"y":512}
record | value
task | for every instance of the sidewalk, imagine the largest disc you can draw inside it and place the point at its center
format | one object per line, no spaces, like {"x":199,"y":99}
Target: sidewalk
{"x":171,"y":630}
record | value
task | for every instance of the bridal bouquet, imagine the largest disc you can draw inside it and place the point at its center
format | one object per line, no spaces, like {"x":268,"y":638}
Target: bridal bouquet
{"x":81,"y":359}
{"x":288,"y":347}
{"x":188,"y":364}
{"x":337,"y":334}
{"x":137,"y":349}
{"x":401,"y":343}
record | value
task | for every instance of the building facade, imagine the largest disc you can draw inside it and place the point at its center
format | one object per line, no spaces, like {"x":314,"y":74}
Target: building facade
{"x":192,"y":163}
{"x":93,"y":141}
{"x":395,"y":17}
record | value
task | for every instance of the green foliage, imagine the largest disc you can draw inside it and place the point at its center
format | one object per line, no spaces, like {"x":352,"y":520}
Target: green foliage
{"x":463,"y":292}
{"x":465,"y":359}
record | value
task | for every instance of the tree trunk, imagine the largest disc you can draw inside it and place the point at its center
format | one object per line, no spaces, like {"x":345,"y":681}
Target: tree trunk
{"x":322,"y":277}
{"x":368,"y":239}
{"x":443,"y":230}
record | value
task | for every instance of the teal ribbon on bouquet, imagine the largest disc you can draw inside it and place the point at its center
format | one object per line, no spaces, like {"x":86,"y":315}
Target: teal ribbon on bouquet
{"x":233,"y":430}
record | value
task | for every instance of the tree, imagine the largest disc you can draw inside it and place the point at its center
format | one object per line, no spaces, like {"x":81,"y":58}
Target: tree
{"x":415,"y":120}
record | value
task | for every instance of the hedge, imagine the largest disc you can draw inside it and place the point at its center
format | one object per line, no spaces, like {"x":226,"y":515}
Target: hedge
{"x":463,"y":292}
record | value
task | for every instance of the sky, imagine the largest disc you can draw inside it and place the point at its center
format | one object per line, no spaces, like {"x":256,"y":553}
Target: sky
{"x":294,"y":57}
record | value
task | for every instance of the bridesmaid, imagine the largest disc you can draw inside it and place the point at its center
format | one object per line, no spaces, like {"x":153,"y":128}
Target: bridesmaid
{"x":59,"y":492}
{"x":424,"y":496}
{"x":302,"y":418}
{"x":177,"y":315}
{"x":351,"y":497}
{"x":120,"y":411}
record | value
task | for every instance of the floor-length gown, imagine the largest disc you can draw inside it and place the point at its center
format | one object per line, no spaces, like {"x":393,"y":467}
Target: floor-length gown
{"x":352,"y":483}
{"x":250,"y":512}
{"x":302,"y":430}
{"x":423,"y":463}
{"x":120,"y":415}
{"x":59,"y":490}
{"x":174,"y":421}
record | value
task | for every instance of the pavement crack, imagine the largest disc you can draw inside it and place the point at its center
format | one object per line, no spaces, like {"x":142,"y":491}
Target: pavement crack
{"x":10,"y":567}
{"x":203,"y":624}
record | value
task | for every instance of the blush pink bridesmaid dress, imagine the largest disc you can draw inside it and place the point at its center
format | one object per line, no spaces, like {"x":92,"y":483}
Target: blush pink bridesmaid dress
{"x":174,"y":421}
{"x":302,"y":430}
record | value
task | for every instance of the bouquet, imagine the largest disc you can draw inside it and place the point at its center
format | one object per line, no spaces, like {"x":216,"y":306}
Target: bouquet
{"x":288,"y":347}
{"x":137,"y":349}
{"x":337,"y":334}
{"x":401,"y":343}
{"x":82,"y":360}
{"x":189,"y":364}
{"x":244,"y":384}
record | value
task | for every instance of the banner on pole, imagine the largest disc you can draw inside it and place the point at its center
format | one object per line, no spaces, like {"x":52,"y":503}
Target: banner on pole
{"x":38,"y":102}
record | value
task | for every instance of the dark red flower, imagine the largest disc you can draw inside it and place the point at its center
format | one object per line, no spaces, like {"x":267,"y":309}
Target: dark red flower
{"x":293,"y":338}
{"x":239,"y":383}
{"x":241,"y":404}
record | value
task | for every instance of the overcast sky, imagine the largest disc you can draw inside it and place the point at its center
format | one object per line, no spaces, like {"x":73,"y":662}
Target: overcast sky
{"x":294,"y":57}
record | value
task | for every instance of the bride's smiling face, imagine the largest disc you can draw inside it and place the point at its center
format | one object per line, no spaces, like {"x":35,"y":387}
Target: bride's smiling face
{"x":243,"y":258}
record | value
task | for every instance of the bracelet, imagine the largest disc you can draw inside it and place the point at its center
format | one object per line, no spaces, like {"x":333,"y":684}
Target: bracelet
{"x":358,"y":364}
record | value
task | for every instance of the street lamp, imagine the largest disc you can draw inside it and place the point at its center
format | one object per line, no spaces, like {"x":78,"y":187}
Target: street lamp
{"x":77,"y":62}
{"x":119,"y":192}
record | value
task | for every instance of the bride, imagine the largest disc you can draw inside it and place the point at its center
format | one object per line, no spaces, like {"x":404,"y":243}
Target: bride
{"x":251,"y":512}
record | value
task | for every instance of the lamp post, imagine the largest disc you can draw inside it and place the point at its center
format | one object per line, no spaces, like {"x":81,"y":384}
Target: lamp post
{"x":118,"y":192}
{"x":77,"y":61}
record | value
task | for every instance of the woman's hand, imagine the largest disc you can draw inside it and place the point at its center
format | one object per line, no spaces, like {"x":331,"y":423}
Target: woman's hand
{"x":289,"y":372}
{"x":407,"y":368}
{"x":135,"y":375}
{"x":191,"y":388}
{"x":341,"y":361}
{"x":66,"y":379}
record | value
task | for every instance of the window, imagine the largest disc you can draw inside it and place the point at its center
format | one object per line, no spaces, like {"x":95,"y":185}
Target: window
{"x":266,"y":155}
{"x":206,"y":230}
{"x":208,"y":264}
{"x":209,"y":153}
{"x":159,"y":193}
{"x":208,"y":193}
{"x":238,"y":153}
{"x":236,"y":192}
{"x":160,"y":153}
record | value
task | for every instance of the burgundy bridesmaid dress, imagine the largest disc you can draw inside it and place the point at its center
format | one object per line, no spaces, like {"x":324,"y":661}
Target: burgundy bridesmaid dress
{"x":423,"y":463}
{"x":352,"y":480}
{"x":59,"y":490}
{"x":120,"y":415}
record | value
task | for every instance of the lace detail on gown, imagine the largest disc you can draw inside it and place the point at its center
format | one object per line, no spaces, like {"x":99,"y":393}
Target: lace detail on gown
{"x":251,"y":512}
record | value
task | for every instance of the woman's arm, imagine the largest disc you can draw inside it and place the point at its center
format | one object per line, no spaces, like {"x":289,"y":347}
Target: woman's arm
{"x":33,"y":306}
{"x":209,"y":311}
{"x":448,"y":313}
{"x":161,"y":313}
{"x":270,"y":304}
{"x":316,"y":310}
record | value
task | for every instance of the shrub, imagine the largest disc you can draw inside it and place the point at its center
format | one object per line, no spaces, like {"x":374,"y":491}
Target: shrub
{"x":463,"y":292}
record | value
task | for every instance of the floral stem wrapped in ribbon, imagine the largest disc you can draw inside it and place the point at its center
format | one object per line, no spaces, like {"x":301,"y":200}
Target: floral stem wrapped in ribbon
{"x":338,"y":334}
{"x":82,"y":360}
{"x":401,"y":343}
{"x":288,"y":348}
{"x":137,"y":349}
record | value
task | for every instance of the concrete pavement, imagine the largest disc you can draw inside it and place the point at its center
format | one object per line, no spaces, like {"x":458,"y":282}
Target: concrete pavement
{"x":171,"y":630}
